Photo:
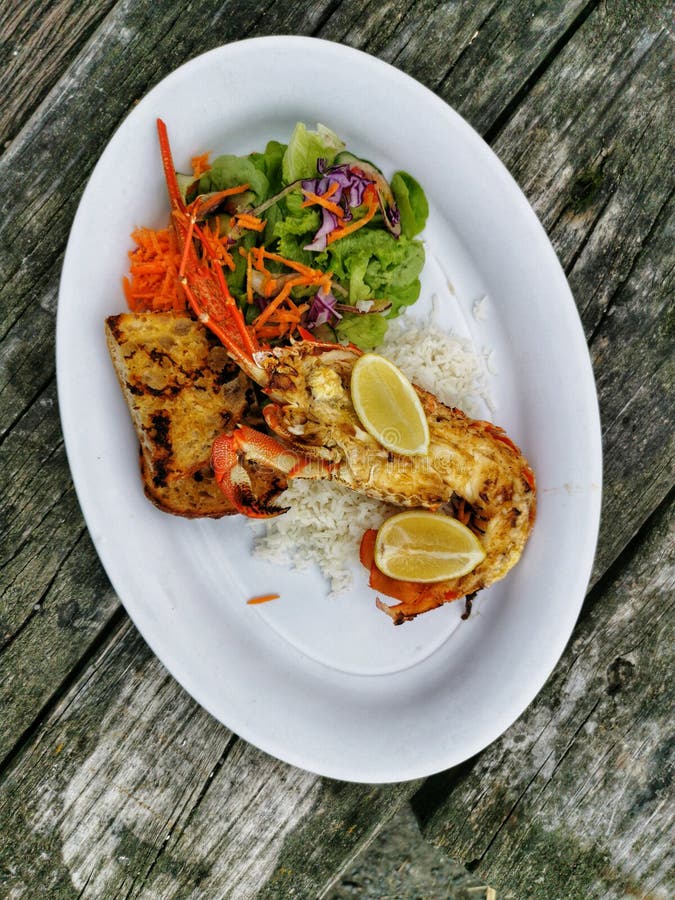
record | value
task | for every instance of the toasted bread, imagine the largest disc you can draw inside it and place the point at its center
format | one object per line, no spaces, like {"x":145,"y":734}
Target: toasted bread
{"x":182,"y":391}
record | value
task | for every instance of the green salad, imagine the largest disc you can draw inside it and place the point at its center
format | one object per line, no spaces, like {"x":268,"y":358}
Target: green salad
{"x":311,"y":205}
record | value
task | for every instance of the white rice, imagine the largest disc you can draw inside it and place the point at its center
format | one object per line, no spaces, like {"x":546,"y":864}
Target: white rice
{"x":326,"y":520}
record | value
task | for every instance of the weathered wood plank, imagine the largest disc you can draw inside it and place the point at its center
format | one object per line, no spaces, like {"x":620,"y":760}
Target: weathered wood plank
{"x":130,"y":789}
{"x":36,"y":511}
{"x":27,"y":358}
{"x":591,"y":148}
{"x":635,"y":372}
{"x":37,"y":42}
{"x":54,"y":597}
{"x":41,"y":522}
{"x":508,"y":45}
{"x":401,"y":864}
{"x":422,"y":38}
{"x":596,"y":164}
{"x":575,"y":800}
{"x":60,"y":628}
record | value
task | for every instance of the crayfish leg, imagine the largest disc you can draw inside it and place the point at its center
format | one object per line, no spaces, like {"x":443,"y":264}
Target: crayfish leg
{"x":235,"y":481}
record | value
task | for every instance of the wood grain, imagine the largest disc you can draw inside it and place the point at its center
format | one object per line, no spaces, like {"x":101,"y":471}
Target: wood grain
{"x":38,"y":42}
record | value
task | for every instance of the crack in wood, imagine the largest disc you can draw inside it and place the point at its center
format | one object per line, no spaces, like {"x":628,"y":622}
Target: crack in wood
{"x":36,"y":609}
{"x":569,"y":746}
{"x":98,"y":644}
{"x":442,"y":81}
{"x":475,"y":863}
{"x":491,"y":133}
{"x":229,"y":746}
{"x":35,"y":399}
{"x":637,"y":260}
{"x":584,"y":789}
{"x":325,"y":17}
{"x":86,"y":883}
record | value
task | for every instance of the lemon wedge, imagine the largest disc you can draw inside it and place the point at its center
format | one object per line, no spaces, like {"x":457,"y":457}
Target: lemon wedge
{"x":426,"y":547}
{"x":388,"y":406}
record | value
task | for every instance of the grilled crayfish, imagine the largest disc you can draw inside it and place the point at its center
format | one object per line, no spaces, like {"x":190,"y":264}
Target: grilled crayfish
{"x":472,"y":469}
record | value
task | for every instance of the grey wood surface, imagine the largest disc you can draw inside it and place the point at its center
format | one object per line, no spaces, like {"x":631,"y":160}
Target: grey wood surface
{"x":113,"y":782}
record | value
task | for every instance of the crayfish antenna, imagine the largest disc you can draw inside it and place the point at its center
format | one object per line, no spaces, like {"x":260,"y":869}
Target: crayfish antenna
{"x":169,"y":168}
{"x":202,"y":279}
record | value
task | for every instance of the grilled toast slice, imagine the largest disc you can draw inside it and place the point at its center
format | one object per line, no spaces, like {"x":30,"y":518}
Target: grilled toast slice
{"x":182,"y":391}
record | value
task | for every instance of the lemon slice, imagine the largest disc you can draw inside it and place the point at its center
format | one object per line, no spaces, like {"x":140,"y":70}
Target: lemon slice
{"x":388,"y":406}
{"x":426,"y":547}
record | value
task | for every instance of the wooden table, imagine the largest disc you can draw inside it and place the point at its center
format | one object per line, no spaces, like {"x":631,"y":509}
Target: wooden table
{"x":114,"y":783}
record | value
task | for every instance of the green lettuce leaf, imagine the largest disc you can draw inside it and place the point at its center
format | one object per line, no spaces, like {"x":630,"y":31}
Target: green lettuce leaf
{"x":412,"y":203}
{"x":237,"y":280}
{"x":229,"y":171}
{"x":269,"y":163}
{"x":376,"y":264}
{"x":295,"y":228}
{"x":305,"y":148}
{"x":185,"y":182}
{"x":367,"y":332}
{"x":403,"y":296}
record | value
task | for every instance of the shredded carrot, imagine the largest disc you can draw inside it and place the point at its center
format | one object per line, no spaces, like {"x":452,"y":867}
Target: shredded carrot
{"x":249,"y":270}
{"x":200,"y":164}
{"x":274,"y":304}
{"x":263,"y":598}
{"x":251,"y":222}
{"x":292,"y":307}
{"x":371,"y":199}
{"x":153,"y":283}
{"x":258,"y":254}
{"x":321,"y":200}
{"x":284,"y":294}
{"x":332,"y":188}
{"x":157,"y":281}
{"x":217,"y":246}
{"x":270,"y":287}
{"x":282,"y":316}
{"x":286,"y":316}
{"x":271,"y":331}
{"x":291,"y":263}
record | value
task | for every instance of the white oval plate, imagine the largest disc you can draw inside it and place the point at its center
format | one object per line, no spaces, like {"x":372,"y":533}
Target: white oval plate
{"x":330,"y":684}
